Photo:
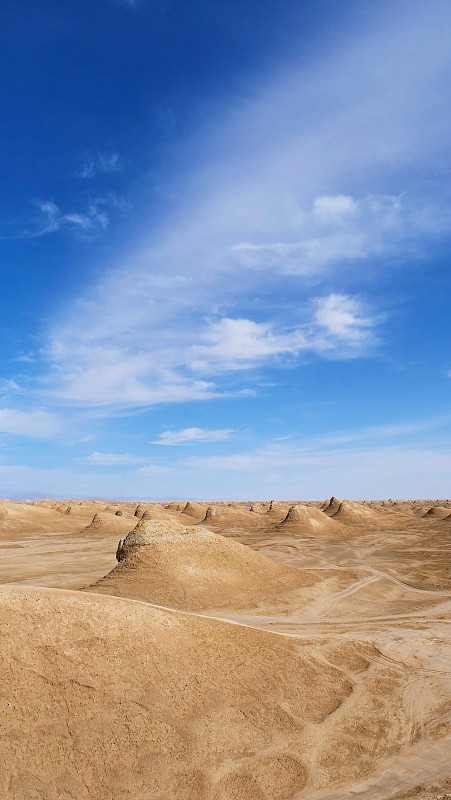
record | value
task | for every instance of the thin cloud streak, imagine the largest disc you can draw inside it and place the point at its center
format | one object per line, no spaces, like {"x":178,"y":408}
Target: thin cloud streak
{"x":99,"y":163}
{"x":384,"y":431}
{"x":111,"y":459}
{"x":190,"y":435}
{"x":35,"y":424}
{"x":85,"y":224}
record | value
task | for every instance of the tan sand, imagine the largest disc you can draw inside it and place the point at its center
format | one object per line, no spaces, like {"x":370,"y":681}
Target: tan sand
{"x":114,"y":698}
{"x":195,"y":569}
{"x":335,"y":683}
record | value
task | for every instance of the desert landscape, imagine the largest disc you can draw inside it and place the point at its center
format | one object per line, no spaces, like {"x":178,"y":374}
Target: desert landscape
{"x":225,"y":278}
{"x":225,"y":651}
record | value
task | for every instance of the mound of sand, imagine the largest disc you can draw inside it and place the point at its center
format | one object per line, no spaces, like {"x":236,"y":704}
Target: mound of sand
{"x":331,"y":506}
{"x":259,"y":508}
{"x":276,"y":507}
{"x":419,"y":510}
{"x":231,"y":517}
{"x":111,"y":509}
{"x":104,"y":698}
{"x":364,"y":517}
{"x":195,"y":511}
{"x":91,"y":505}
{"x":308,"y":519}
{"x":139,"y":510}
{"x":98,"y":521}
{"x":24,"y":518}
{"x":437,"y":512}
{"x":356,"y":512}
{"x":193,"y":568}
{"x":108,"y":523}
{"x":175,"y":506}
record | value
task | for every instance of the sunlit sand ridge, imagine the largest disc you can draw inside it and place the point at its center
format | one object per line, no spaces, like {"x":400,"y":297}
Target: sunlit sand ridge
{"x":266,"y":651}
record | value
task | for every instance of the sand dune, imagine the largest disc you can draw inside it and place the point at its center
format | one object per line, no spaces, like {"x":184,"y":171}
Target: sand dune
{"x":259,"y":508}
{"x":175,"y":506}
{"x":311,"y":520}
{"x":106,"y":706}
{"x":331,"y":506}
{"x":109,"y":522}
{"x":335,"y":683}
{"x":277,"y":509}
{"x":26,"y":518}
{"x":437,"y":511}
{"x":357,"y":514}
{"x":231,"y":517}
{"x":195,"y":569}
{"x":194,"y":511}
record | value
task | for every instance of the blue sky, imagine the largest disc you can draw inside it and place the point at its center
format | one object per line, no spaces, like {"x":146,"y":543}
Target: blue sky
{"x":225,"y":234}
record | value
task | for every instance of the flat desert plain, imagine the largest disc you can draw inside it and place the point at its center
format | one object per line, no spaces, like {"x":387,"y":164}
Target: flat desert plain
{"x":265,"y":651}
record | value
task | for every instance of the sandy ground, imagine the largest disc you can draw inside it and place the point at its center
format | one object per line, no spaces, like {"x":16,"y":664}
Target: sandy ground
{"x":232,"y":652}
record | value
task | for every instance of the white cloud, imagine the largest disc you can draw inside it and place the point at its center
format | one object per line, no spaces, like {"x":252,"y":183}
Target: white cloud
{"x":100,"y":162}
{"x":393,"y":431}
{"x":340,"y":326}
{"x":114,"y":376}
{"x":89,"y":437}
{"x":8,"y":386}
{"x":337,"y":229}
{"x":27,"y":358}
{"x":351,"y":464}
{"x":333,"y":207}
{"x":88,"y":223}
{"x":189,"y":435}
{"x":240,"y":343}
{"x":324,"y":165}
{"x":180,"y":360}
{"x":377,"y":472}
{"x":111,"y":459}
{"x":344,"y":321}
{"x":85,"y":224}
{"x":39,"y":424}
{"x":284,"y":471}
{"x":156,"y":470}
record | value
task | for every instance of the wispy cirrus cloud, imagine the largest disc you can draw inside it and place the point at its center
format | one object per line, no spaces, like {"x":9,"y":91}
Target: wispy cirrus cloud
{"x":36,"y":424}
{"x":320,"y":167}
{"x":193,"y":435}
{"x":87,"y":223}
{"x":289,"y":471}
{"x":337,"y":229}
{"x":112,"y":459}
{"x":176,"y":364}
{"x":395,"y":431}
{"x":8,"y":386}
{"x":101,"y":162}
{"x":156,"y":470}
{"x":297,"y":451}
